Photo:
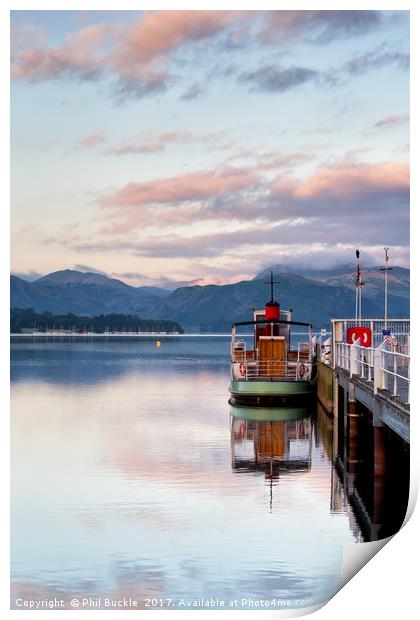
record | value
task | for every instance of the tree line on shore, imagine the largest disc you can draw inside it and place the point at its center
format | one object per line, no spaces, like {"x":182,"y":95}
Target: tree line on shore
{"x":27,"y":319}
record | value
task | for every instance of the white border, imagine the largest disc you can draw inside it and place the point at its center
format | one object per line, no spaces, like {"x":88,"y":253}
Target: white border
{"x":387,"y":585}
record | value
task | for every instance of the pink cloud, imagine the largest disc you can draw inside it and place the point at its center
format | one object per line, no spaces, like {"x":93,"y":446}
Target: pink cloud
{"x":273,"y":160}
{"x":183,"y":188}
{"x":88,"y":37}
{"x":393,"y":121}
{"x":131,"y":53}
{"x":132,"y":148}
{"x":153,"y":145}
{"x":92,"y":139}
{"x":75,"y":57}
{"x":139,"y":54}
{"x":347,"y":190}
{"x":157,"y":143}
{"x":156,"y":34}
{"x":349,"y":181}
{"x":25,"y":36}
{"x":350,"y":200}
{"x":282,"y":160}
{"x":126,"y":219}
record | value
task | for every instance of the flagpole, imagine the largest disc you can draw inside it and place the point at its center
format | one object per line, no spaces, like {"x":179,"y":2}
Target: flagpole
{"x":357,"y":305}
{"x":385,"y":269}
{"x":357,"y":286}
{"x":361,"y":284}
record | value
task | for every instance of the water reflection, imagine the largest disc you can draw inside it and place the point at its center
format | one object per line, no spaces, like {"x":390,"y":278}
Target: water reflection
{"x":273,"y":441}
{"x":276,"y":443}
{"x":81,"y":365}
{"x":371,"y":472}
{"x":369,"y":467}
{"x":127,"y":479}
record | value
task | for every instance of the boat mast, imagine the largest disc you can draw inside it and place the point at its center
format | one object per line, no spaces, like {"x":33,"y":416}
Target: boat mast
{"x":385,"y":269}
{"x":272,"y":286}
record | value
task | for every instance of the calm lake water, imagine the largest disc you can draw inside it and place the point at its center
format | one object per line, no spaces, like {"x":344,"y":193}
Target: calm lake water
{"x":133,"y":476}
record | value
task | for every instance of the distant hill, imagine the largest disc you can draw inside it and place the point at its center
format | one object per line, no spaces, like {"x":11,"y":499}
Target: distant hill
{"x":344,"y":275}
{"x":307,"y":272}
{"x":69,"y":278}
{"x":82,"y":293}
{"x":398,"y":281}
{"x":212,"y":308}
{"x":216,"y":307}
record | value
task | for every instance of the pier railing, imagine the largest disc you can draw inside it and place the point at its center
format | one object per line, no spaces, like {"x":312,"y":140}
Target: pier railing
{"x":395,"y":369}
{"x":399,"y":328}
{"x":383,"y":366}
{"x":354,"y":358}
{"x":363,"y":364}
{"x":342,"y":355}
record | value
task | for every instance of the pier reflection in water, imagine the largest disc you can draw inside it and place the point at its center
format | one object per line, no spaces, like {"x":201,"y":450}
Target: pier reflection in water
{"x":371,"y":472}
{"x":128,"y":480}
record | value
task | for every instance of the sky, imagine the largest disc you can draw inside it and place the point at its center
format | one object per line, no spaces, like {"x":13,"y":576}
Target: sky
{"x":181,"y":147}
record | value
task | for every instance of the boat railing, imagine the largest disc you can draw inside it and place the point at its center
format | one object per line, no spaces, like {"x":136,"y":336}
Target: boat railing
{"x":303,"y":352}
{"x":271,"y":369}
{"x":294,"y":364}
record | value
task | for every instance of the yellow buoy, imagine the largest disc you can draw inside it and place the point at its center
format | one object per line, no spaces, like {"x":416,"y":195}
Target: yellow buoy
{"x":158,"y":343}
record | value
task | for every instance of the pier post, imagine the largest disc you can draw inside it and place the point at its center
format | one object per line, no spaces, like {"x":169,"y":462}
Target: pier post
{"x":377,"y":449}
{"x":335,"y":415}
{"x":379,"y":463}
{"x":354,"y":443}
{"x":379,"y":474}
{"x":341,"y":422}
{"x":378,"y":373}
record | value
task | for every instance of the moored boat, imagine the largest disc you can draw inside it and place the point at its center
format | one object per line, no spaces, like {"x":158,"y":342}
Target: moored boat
{"x":275,"y":362}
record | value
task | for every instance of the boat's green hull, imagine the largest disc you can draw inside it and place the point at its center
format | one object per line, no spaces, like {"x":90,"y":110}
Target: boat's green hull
{"x":270,"y":388}
{"x":270,"y":414}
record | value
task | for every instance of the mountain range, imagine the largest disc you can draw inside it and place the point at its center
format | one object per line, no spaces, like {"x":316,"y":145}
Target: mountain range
{"x":344,"y":275}
{"x":315,"y":295}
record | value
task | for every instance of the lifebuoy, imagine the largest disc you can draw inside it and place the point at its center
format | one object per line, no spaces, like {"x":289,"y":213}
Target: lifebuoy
{"x":301,"y":369}
{"x":364,"y":336}
{"x":242,"y":369}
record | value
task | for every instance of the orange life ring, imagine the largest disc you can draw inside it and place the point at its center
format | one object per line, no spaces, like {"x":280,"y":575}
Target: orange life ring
{"x":301,"y":369}
{"x":242,"y":369}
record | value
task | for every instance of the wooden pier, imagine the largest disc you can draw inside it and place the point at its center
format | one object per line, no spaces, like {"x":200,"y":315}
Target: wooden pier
{"x":366,"y":390}
{"x":377,"y":377}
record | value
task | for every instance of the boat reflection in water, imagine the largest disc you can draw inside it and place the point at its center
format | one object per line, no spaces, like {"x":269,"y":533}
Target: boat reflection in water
{"x":369,"y":476}
{"x":275,"y":441}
